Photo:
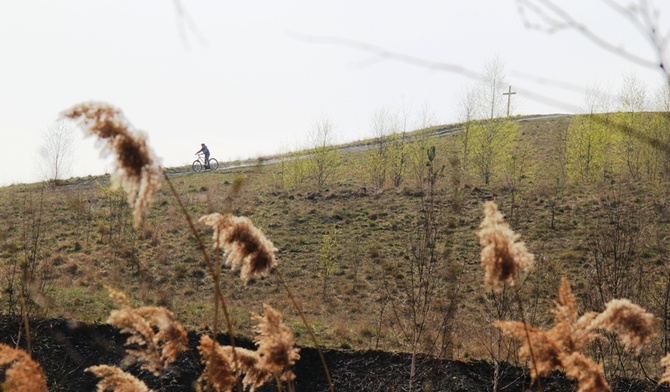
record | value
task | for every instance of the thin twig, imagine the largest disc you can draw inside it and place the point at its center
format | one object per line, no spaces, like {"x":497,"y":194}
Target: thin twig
{"x":210,"y":266}
{"x":309,"y":329}
{"x":26,"y":321}
{"x":530,"y":345}
{"x":568,"y":21}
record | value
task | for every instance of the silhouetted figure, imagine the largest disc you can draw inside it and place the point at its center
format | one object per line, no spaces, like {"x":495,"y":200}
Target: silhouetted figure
{"x":205,"y":151}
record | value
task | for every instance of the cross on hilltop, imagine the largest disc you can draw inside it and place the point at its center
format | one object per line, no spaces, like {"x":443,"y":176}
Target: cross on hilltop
{"x":509,"y":94}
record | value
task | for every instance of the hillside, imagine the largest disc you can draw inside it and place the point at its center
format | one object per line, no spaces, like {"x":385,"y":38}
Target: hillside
{"x":348,"y":250}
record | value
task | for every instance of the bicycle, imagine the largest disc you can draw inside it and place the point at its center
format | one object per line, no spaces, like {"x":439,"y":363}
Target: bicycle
{"x":199,"y":164}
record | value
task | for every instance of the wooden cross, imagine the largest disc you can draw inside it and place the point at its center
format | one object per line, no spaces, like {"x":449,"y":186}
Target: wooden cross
{"x":509,"y":94}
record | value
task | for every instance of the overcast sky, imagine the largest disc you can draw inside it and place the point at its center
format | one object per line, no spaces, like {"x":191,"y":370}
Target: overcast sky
{"x":251,"y":78}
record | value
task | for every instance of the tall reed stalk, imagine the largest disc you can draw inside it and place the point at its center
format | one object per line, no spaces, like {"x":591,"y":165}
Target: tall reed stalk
{"x":309,"y":329}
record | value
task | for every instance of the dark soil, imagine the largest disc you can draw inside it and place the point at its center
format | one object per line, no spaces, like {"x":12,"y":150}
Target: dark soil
{"x":64,"y":349}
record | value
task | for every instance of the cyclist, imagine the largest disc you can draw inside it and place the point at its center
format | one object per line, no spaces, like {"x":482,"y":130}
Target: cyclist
{"x":205,"y":151}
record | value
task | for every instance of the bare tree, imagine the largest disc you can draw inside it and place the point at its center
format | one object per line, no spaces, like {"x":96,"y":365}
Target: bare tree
{"x":633,"y":94}
{"x":382,"y":125}
{"x":596,"y":100}
{"x":615,"y":241}
{"x":398,"y":143}
{"x":468,"y":106}
{"x":424,"y":302}
{"x":514,"y":173}
{"x":324,"y":159}
{"x":398,"y":152}
{"x":327,"y":257}
{"x":416,"y":149}
{"x":488,"y":142}
{"x":661,"y":104}
{"x":425,"y":117}
{"x":632,"y":101}
{"x":493,"y":83}
{"x":661,"y":99}
{"x":57,"y":151}
{"x":553,"y":181}
{"x":588,"y":141}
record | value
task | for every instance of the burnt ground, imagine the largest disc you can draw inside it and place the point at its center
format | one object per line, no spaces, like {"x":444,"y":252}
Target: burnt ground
{"x":65,"y":349}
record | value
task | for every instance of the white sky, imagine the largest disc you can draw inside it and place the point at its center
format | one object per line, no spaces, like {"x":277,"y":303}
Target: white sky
{"x":248,"y":83}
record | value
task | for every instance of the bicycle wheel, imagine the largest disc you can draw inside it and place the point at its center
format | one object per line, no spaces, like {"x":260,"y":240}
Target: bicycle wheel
{"x":196,"y":166}
{"x":213,"y":164}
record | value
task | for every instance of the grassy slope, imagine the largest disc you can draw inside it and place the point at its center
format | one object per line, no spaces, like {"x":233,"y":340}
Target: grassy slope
{"x":86,"y":241}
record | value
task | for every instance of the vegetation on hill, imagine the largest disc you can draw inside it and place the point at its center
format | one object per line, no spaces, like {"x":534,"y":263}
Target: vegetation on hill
{"x":378,"y":243}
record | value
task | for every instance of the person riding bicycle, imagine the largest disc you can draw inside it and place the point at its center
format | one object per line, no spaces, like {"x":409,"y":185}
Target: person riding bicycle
{"x":205,"y":151}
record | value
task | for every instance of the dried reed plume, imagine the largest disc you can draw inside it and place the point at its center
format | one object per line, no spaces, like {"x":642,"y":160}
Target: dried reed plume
{"x":502,"y":257}
{"x":588,"y":374}
{"x":275,"y":344}
{"x":244,"y":244}
{"x":272,"y":359}
{"x":156,"y":350}
{"x":559,"y":347}
{"x":114,"y":379}
{"x":218,"y":371}
{"x":222,"y":373}
{"x":21,"y":372}
{"x":248,"y":363}
{"x":665,"y":362}
{"x":630,"y":322}
{"x":137,"y":169}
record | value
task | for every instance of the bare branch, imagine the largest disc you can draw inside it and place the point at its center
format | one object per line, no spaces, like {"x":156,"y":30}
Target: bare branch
{"x":380,"y":53}
{"x":184,"y":22}
{"x":555,"y":18}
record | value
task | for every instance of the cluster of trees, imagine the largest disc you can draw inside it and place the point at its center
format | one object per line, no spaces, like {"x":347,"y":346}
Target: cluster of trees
{"x":630,"y":142}
{"x":394,"y":154}
{"x":620,"y":137}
